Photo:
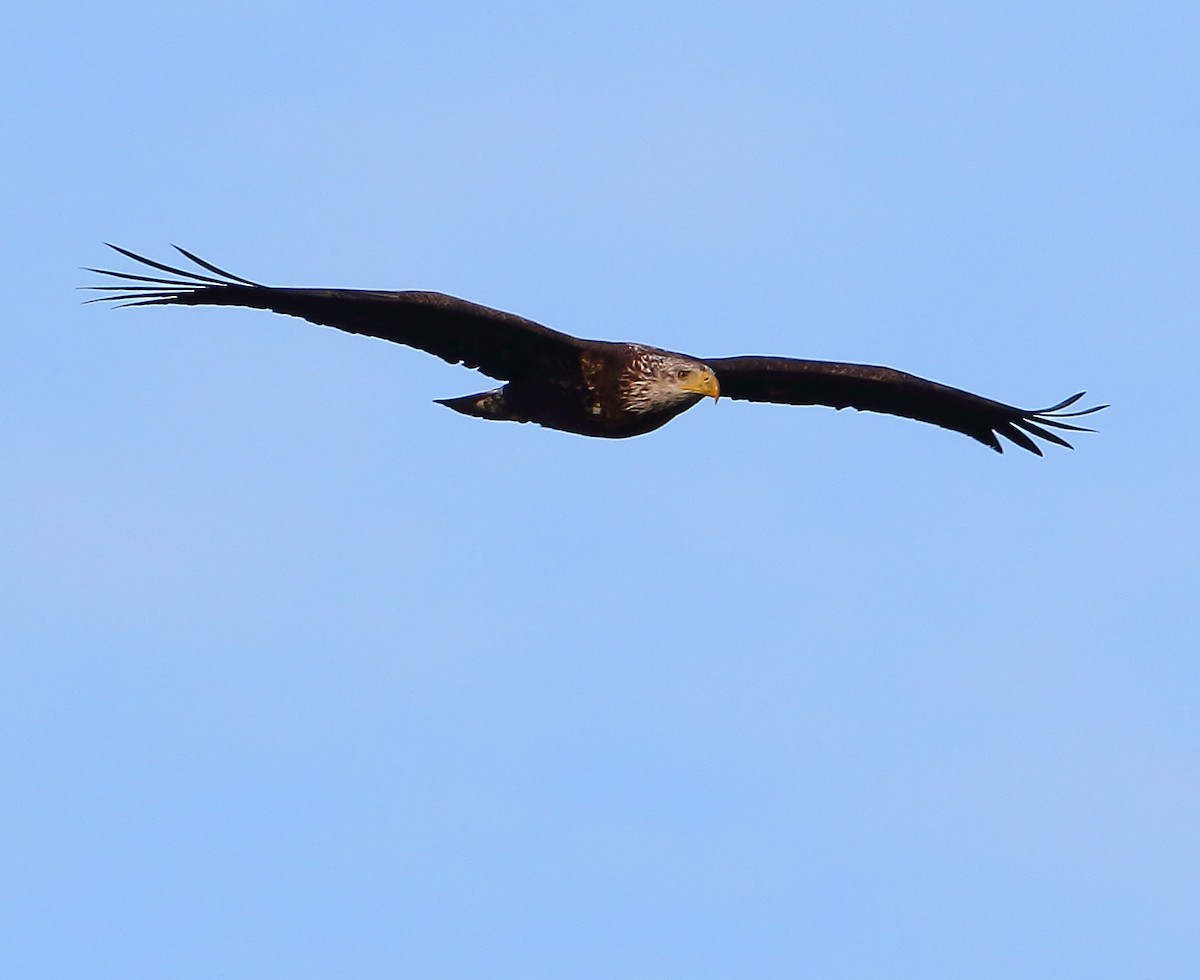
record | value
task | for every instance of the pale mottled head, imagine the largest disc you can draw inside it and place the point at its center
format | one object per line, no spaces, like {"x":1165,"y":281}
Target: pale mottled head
{"x":657,"y":380}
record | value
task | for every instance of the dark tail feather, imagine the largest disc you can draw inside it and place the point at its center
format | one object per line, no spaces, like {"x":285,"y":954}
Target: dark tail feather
{"x":485,"y":405}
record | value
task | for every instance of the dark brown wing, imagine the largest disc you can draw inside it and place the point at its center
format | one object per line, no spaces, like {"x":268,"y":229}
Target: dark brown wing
{"x":879,"y":389}
{"x":501,"y":345}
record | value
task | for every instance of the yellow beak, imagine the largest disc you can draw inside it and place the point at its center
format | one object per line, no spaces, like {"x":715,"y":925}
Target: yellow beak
{"x":704,"y":383}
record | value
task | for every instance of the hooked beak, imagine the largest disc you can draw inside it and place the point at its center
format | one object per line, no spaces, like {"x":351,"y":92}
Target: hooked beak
{"x":705,"y":383}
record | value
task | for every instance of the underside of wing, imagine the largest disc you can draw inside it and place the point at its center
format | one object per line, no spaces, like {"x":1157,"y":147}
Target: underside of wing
{"x":879,"y":389}
{"x":501,"y":345}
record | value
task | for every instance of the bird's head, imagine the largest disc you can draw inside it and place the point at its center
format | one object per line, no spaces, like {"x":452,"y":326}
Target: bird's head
{"x":660,"y":380}
{"x":695,"y":378}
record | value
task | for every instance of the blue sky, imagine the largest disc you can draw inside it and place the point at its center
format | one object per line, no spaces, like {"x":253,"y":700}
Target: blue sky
{"x":304,"y":675}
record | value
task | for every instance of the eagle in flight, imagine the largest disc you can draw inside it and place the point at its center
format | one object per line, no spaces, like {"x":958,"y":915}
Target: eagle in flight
{"x":591,"y":387}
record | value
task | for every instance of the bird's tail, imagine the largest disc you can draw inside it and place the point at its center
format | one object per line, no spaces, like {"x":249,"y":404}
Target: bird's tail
{"x":485,"y":405}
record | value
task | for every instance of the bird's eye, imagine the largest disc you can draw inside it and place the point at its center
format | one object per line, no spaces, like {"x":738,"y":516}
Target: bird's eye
{"x":682,"y":373}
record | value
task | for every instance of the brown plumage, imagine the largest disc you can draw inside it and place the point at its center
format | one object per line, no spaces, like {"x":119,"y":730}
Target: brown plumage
{"x":591,"y":387}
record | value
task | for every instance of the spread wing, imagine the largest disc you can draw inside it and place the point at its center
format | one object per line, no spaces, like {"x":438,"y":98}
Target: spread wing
{"x":501,"y":345}
{"x":880,"y":389}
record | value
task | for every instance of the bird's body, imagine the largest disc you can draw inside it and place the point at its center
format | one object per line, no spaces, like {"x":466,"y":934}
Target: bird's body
{"x":593,"y":388}
{"x":619,"y":390}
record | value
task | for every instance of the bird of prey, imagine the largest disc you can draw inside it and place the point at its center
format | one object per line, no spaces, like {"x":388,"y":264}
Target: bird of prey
{"x":591,"y":387}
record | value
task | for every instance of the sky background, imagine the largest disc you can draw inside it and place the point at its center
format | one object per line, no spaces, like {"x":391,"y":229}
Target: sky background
{"x":302,"y":675}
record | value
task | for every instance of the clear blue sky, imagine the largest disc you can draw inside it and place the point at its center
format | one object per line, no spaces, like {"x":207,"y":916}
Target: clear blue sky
{"x":303,"y":675}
